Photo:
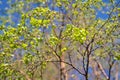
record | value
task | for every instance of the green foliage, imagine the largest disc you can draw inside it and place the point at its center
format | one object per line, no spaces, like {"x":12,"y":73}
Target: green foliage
{"x":76,"y":34}
{"x":38,"y":23}
{"x":28,"y":58}
{"x":53,"y":32}
{"x":54,"y":40}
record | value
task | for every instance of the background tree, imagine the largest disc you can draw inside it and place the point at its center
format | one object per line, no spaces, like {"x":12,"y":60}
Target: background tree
{"x":60,"y":39}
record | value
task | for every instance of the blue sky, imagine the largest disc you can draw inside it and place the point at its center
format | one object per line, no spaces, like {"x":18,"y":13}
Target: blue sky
{"x":4,"y":6}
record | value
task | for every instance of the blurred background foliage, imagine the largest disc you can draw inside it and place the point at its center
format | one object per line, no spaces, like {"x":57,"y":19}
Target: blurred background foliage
{"x":59,"y":39}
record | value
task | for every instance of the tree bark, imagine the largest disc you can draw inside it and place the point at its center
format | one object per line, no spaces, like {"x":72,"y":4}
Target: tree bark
{"x":116,"y":75}
{"x":63,"y":72}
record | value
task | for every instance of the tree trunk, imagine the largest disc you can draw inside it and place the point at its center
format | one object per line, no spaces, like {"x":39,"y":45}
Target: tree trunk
{"x":116,"y":75}
{"x":63,"y":72}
